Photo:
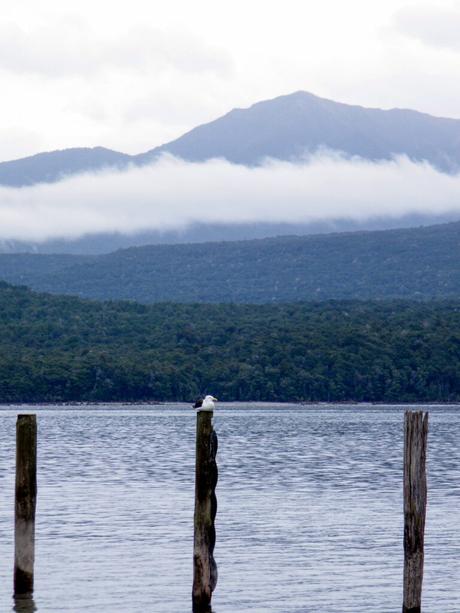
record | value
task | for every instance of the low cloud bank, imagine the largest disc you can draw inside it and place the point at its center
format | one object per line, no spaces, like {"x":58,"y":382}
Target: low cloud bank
{"x":172,"y":194}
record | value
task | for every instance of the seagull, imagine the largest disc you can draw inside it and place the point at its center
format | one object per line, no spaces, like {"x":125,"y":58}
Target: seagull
{"x":205,"y":404}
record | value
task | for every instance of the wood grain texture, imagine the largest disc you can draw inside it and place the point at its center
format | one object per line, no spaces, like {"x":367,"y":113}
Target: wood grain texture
{"x":415,"y":500}
{"x":206,"y":474}
{"x":25,"y":504}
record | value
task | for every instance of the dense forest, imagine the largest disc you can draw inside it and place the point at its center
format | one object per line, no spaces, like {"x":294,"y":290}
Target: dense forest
{"x":67,"y":349}
{"x":417,"y":263}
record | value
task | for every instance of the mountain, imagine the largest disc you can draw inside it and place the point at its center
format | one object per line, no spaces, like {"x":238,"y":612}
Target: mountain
{"x":418,"y":263}
{"x":288,"y":127}
{"x":285,"y":128}
{"x":55,"y":165}
{"x":55,"y":348}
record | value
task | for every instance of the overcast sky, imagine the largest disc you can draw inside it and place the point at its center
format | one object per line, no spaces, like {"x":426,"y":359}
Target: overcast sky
{"x":132,"y":75}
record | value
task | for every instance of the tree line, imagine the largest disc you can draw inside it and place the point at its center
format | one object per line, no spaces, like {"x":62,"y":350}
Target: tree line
{"x":55,"y":349}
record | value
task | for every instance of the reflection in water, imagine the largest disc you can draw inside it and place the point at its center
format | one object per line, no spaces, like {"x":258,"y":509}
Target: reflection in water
{"x":24,"y":605}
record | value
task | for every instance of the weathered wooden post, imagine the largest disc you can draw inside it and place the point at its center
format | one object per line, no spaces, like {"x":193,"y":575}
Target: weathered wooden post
{"x":415,"y":497}
{"x":24,"y":605}
{"x":25,"y":503}
{"x":204,"y":565}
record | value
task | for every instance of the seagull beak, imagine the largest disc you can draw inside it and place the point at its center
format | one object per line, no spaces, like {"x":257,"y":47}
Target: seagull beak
{"x":215,"y":399}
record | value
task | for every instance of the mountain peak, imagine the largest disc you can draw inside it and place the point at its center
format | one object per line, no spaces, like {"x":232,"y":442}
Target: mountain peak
{"x":287,"y":127}
{"x":291,"y":126}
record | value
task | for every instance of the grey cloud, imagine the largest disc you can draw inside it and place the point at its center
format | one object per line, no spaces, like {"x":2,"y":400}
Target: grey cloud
{"x":172,"y":194}
{"x":432,"y":25}
{"x":72,"y":48}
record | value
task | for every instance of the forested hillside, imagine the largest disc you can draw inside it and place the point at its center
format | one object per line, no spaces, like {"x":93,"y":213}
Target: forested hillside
{"x":418,"y":263}
{"x":62,"y":349}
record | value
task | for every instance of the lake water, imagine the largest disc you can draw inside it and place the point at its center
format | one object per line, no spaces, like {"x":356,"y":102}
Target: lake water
{"x":309,"y":517}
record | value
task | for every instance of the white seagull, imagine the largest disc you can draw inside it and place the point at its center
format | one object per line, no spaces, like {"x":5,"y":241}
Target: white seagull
{"x":205,"y":404}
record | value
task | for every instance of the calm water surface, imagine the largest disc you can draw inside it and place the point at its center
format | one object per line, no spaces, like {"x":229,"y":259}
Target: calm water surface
{"x":309,"y":517}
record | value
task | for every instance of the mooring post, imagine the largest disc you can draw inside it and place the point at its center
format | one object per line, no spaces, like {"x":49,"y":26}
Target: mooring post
{"x":25,"y":503}
{"x":204,"y":565}
{"x":415,"y":497}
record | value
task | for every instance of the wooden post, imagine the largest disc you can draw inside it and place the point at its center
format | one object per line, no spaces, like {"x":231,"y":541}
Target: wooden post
{"x":415,"y":497}
{"x":204,"y":565}
{"x":25,"y":503}
{"x":24,"y":605}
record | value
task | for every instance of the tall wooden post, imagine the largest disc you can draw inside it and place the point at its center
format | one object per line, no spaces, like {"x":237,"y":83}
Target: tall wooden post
{"x":25,"y":503}
{"x":415,"y":497}
{"x":204,"y":565}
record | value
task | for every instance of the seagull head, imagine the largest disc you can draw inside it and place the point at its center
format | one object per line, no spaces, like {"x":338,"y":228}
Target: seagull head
{"x":208,"y":403}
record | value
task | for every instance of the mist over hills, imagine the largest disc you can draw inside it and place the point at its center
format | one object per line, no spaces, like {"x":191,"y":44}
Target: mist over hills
{"x":419,"y":263}
{"x":285,"y":128}
{"x":104,"y":243}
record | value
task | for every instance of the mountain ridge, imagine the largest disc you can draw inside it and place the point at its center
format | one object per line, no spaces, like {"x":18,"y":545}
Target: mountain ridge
{"x":52,"y":166}
{"x":321,"y":111}
{"x":418,"y":263}
{"x":286,"y":127}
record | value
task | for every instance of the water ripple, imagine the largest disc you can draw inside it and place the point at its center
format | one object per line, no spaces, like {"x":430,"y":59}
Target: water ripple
{"x":309,"y":517}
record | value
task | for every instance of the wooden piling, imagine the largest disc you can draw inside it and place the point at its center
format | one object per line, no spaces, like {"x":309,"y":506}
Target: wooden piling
{"x":25,"y":503}
{"x":415,"y":498}
{"x":204,"y":565}
{"x":24,"y":605}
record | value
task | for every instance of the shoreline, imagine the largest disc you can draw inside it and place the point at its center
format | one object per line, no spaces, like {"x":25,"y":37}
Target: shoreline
{"x":226,"y":404}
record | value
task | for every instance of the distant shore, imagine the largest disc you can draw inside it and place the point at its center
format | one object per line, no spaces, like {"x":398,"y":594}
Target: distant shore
{"x":156,"y":403}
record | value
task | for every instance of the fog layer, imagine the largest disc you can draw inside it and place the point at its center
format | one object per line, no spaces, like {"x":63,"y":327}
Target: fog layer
{"x":171,"y":194}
